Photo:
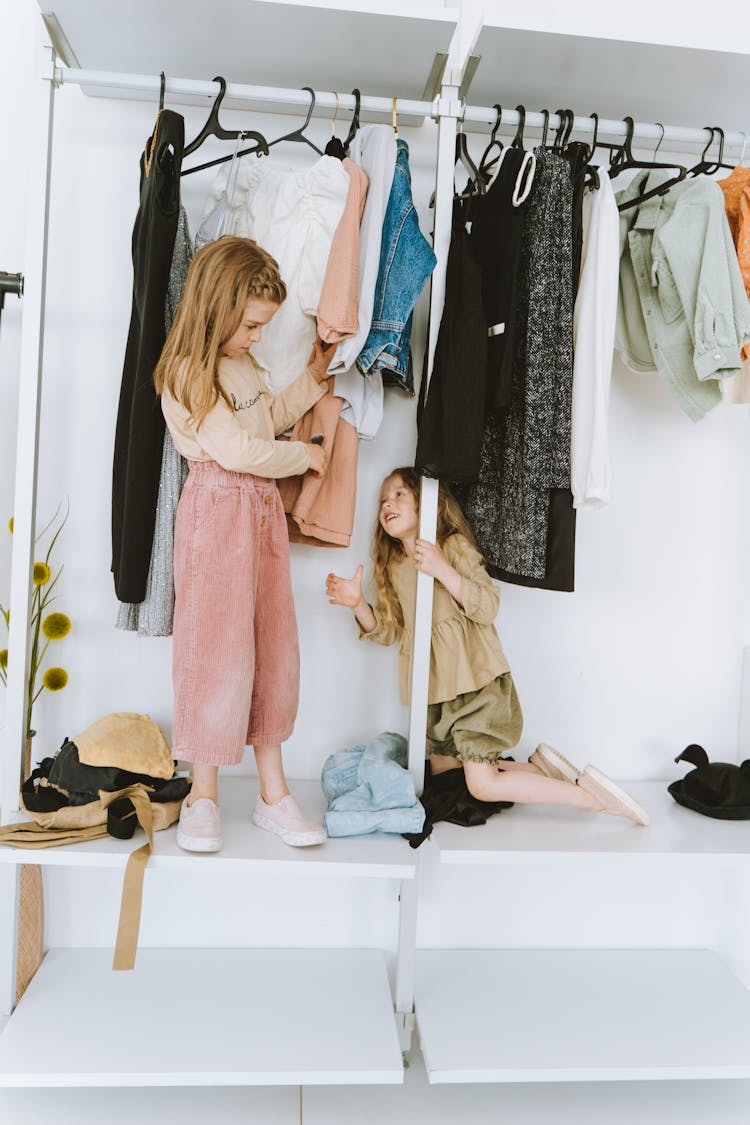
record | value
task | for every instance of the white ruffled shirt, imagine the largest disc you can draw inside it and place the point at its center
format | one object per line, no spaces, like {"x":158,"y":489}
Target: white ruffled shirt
{"x":292,"y":214}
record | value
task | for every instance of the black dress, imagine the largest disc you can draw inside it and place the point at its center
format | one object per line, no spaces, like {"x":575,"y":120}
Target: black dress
{"x":451,"y":416}
{"x":139,"y":435}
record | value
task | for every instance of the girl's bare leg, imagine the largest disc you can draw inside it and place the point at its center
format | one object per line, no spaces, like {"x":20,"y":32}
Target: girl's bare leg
{"x":524,"y":787}
{"x":205,"y":782}
{"x":273,"y":786}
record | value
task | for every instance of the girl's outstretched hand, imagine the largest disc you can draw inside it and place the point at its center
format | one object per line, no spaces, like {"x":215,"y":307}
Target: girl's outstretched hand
{"x":345,"y":591}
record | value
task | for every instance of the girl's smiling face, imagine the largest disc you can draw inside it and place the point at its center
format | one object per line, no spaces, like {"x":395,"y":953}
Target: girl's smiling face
{"x":257,"y":313}
{"x":398,"y":515}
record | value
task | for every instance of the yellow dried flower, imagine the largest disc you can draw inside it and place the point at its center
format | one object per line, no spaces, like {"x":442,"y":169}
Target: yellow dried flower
{"x":55,"y":679}
{"x":56,"y":625}
{"x":10,"y":525}
{"x":42,"y":574}
{"x":3,"y":658}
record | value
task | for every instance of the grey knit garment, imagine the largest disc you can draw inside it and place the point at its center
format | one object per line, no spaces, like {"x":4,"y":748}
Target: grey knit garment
{"x":153,"y":616}
{"x":526,"y":451}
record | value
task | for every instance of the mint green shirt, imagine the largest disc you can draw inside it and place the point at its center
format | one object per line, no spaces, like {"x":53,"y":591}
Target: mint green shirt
{"x":683,"y":310}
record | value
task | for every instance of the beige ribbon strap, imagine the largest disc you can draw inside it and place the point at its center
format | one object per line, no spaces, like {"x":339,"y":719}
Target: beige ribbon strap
{"x":132,"y":887}
{"x":29,"y":834}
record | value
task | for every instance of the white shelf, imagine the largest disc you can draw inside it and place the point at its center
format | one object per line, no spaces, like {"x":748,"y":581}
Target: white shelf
{"x":246,"y":848}
{"x":188,"y":1017}
{"x":418,"y":1103}
{"x":193,"y":1106}
{"x":385,"y":49}
{"x":580,"y":1016}
{"x":539,"y":69}
{"x":550,"y":834}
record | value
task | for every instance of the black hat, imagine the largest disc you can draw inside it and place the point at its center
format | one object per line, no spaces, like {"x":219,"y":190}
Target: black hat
{"x":717,"y":789}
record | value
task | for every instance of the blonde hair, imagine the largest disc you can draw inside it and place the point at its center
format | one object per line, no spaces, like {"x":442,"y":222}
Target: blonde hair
{"x":386,"y":549}
{"x":222,"y":277}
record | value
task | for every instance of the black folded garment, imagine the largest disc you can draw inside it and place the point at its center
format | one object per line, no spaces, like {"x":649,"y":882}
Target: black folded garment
{"x":446,"y":797}
{"x":83,"y":782}
{"x":717,"y":789}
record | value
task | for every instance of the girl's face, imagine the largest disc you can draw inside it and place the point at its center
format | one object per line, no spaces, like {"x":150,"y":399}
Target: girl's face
{"x":257,"y":313}
{"x":398,"y":514}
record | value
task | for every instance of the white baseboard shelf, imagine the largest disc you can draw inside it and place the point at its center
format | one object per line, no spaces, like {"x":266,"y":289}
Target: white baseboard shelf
{"x":547,"y":834}
{"x":580,"y":1016}
{"x":570,"y":1103}
{"x":218,"y":1017}
{"x":246,"y":849}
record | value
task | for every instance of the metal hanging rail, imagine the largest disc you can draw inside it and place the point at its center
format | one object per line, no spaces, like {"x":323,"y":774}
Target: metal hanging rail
{"x":324,"y":99}
{"x":275,"y":96}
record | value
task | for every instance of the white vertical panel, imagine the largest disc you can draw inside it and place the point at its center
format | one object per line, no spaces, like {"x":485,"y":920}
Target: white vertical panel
{"x":39,"y":140}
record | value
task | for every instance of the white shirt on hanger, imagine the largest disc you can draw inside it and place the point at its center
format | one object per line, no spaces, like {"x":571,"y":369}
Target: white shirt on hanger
{"x":291,"y":213}
{"x":594,"y":320}
{"x":374,"y":149}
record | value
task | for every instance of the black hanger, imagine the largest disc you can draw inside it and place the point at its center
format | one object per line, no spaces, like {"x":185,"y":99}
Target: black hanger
{"x":298,"y":135}
{"x":162,"y":84}
{"x":335,"y":147}
{"x":592,"y":179}
{"x":545,"y":127}
{"x":355,"y":120}
{"x":708,"y":167}
{"x":564,"y":129}
{"x":213,"y":128}
{"x":486,"y":164}
{"x":517,"y":141}
{"x":623,"y":159}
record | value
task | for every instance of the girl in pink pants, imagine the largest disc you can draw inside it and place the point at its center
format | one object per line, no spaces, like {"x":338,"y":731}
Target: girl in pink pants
{"x":235,"y":656}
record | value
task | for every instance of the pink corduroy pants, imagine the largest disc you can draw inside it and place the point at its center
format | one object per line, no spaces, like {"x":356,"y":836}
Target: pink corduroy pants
{"x":235,"y":665}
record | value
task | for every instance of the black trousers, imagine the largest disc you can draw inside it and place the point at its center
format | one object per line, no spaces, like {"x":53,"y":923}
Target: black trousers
{"x":139,"y":435}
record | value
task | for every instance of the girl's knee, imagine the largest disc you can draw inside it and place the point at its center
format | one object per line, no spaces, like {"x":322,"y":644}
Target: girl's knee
{"x":481,"y":780}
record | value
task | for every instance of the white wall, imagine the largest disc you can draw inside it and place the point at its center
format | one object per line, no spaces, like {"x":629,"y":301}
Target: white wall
{"x":641,"y":660}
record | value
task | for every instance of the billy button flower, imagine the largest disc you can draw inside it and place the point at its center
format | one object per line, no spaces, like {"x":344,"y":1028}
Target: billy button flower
{"x":55,"y":626}
{"x":55,"y":679}
{"x":42,"y":574}
{"x":10,"y":525}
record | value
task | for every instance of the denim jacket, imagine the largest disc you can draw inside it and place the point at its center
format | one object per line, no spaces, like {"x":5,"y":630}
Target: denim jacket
{"x":406,"y":261}
{"x":369,"y":789}
{"x":683,"y":309}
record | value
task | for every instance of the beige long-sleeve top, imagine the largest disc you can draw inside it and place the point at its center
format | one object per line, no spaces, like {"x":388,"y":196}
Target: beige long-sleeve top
{"x":243,"y":438}
{"x":466,"y":652}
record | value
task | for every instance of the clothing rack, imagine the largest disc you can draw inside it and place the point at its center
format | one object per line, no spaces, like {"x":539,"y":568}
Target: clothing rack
{"x":447,"y":110}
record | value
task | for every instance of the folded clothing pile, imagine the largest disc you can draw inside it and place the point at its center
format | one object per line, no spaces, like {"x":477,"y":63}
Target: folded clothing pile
{"x":369,"y":789}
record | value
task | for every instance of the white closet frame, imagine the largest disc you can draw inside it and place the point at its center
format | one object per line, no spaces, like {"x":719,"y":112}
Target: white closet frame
{"x":447,"y":110}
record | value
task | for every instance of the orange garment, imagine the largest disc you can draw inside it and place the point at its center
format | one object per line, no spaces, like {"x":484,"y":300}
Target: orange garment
{"x":320,"y":510}
{"x":736,"y":188}
{"x":338,"y":306}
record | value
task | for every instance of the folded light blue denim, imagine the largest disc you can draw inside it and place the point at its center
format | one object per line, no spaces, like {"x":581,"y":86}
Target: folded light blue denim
{"x":369,"y":789}
{"x":406,"y":261}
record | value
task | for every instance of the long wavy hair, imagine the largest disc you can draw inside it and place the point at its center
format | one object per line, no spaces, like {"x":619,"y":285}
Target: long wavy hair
{"x":222,"y":277}
{"x":386,"y":549}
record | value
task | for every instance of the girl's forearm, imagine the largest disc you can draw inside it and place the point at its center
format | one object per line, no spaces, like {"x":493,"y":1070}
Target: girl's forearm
{"x":365,"y":616}
{"x":453,"y":583}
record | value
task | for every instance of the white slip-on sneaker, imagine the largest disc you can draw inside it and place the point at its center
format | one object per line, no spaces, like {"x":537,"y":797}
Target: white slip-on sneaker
{"x":610,"y":796}
{"x":199,"y":827}
{"x":554,"y":764}
{"x":285,"y":818}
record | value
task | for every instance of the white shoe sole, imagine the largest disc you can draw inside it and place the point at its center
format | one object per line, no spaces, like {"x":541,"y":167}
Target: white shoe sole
{"x":603,"y":789}
{"x":198,"y":843}
{"x":554,"y":764}
{"x":293,"y":839}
